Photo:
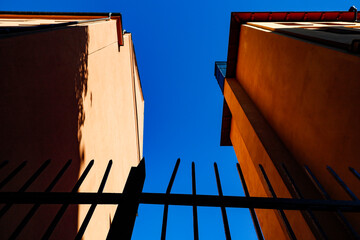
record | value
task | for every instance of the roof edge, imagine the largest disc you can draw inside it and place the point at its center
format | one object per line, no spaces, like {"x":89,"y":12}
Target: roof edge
{"x":239,"y":18}
{"x":69,"y":15}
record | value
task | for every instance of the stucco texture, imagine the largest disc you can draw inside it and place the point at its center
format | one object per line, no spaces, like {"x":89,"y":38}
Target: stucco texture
{"x":295,"y":103}
{"x":68,"y":93}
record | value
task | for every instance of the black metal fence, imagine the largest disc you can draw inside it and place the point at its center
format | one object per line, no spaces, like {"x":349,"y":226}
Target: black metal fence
{"x":128,"y":201}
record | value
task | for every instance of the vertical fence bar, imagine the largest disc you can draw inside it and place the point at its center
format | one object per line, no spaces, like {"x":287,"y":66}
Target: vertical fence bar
{"x":166,"y":206}
{"x":223,"y":210}
{"x":339,"y":213}
{"x":3,"y":164}
{"x":34,"y":176}
{"x":26,"y":185}
{"x":317,"y":183}
{"x":342,"y":183}
{"x":12,"y":174}
{"x":314,"y":220}
{"x":195,"y":216}
{"x":32,"y":211}
{"x":252,"y":211}
{"x":93,"y":206}
{"x":283,"y":216}
{"x":356,"y":173}
{"x":125,"y":215}
{"x":63,"y":208}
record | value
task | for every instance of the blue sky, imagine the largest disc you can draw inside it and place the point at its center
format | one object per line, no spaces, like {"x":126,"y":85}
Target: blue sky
{"x":177,"y":43}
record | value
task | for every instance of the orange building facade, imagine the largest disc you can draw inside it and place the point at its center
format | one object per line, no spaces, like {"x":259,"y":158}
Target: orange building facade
{"x":291,"y":103}
{"x":70,"y":89}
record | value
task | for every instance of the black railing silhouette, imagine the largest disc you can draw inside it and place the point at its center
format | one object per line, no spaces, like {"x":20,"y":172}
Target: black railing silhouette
{"x":132,"y":195}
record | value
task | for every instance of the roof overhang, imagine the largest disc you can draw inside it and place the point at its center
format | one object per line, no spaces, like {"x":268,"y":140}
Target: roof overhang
{"x":239,"y":18}
{"x":67,"y":16}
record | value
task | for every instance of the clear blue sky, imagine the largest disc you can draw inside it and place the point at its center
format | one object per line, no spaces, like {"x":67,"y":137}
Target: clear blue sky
{"x":177,"y":43}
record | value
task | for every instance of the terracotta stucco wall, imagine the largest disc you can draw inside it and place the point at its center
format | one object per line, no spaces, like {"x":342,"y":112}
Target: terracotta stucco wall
{"x":67,"y":94}
{"x":307,"y":94}
{"x":110,"y":126}
{"x":254,"y":143}
{"x":268,"y":219}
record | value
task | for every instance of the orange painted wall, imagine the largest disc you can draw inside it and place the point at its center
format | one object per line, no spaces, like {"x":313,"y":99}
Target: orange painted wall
{"x":309,"y":94}
{"x":68,"y":94}
{"x":306,"y":97}
{"x":269,"y":220}
{"x":254,"y":144}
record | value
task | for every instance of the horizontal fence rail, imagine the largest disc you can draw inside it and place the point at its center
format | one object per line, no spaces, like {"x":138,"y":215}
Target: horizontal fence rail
{"x":127,"y":202}
{"x":182,"y":199}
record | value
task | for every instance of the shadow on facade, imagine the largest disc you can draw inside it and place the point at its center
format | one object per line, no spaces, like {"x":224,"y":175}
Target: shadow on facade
{"x":42,"y":86}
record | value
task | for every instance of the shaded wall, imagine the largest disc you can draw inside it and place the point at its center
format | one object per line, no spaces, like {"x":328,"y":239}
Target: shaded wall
{"x":255,"y":143}
{"x":69,"y":94}
{"x":309,"y":94}
{"x":39,"y":120}
{"x":294,"y":103}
